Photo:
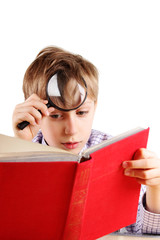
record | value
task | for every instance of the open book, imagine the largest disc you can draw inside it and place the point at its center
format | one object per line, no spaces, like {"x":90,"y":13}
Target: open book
{"x":47,"y":193}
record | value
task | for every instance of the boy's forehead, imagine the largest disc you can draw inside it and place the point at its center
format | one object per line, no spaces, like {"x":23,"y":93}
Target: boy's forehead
{"x":88,"y":101}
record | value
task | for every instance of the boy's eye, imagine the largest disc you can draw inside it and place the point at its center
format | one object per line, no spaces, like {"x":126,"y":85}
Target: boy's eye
{"x":56,"y":116}
{"x":81,"y":113}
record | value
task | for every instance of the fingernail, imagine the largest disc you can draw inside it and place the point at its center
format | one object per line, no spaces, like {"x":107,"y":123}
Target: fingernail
{"x":124,"y":164}
{"x":127,"y":172}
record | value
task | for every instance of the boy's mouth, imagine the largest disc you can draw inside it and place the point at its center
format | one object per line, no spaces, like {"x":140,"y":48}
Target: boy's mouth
{"x":71,"y":145}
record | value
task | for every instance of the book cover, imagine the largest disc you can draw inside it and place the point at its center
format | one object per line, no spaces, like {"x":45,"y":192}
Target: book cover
{"x":43,"y":197}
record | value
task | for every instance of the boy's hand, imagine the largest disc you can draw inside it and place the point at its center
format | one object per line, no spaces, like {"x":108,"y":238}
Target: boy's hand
{"x":146,"y":169}
{"x":28,"y":111}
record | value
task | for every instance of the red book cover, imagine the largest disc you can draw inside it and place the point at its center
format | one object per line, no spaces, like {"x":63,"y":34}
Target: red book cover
{"x":58,"y":200}
{"x":34,"y":199}
{"x":111,"y":197}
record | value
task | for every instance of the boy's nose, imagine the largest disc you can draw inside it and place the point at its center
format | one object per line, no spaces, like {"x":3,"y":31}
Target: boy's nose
{"x":70,"y":126}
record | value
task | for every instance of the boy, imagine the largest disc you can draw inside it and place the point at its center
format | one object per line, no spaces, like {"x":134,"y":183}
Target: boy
{"x":72,"y":130}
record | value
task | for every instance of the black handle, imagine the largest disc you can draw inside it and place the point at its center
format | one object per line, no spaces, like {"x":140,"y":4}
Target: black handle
{"x":22,"y":125}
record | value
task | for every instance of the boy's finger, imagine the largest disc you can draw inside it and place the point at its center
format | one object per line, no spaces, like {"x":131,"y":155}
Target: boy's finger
{"x":26,"y":117}
{"x":51,"y":109}
{"x":143,"y":174}
{"x":142,"y":163}
{"x":39,"y":106}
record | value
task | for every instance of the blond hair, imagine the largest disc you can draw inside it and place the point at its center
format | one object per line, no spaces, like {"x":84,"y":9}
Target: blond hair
{"x":52,"y":59}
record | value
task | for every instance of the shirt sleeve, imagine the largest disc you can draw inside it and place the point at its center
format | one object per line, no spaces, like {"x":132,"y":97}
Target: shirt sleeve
{"x":147,"y":222}
{"x":151,"y":221}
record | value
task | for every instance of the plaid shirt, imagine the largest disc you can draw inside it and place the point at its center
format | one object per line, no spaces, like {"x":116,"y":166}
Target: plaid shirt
{"x":146,"y":222}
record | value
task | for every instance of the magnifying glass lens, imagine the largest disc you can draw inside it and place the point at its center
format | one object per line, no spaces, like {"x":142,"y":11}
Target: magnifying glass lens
{"x":66,"y":94}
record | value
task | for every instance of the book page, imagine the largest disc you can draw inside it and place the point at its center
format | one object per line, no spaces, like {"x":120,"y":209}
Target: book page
{"x":38,"y":157}
{"x":129,"y":237}
{"x":12,"y":146}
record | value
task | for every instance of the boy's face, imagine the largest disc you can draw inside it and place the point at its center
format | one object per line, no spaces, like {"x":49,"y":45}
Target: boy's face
{"x":69,"y":130}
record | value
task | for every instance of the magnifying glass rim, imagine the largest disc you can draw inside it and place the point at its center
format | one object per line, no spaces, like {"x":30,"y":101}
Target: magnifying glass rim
{"x":51,"y":104}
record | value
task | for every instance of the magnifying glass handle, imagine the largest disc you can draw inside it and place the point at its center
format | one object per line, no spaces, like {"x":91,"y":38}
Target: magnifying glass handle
{"x":22,"y":125}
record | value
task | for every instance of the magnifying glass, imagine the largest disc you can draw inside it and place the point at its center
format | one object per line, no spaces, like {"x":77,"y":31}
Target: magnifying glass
{"x":64,"y":94}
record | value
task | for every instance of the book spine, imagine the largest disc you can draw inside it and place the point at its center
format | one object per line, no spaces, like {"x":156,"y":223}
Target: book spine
{"x":76,"y":211}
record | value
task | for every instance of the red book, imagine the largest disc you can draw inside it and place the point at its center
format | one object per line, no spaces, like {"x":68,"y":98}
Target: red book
{"x":46,"y":195}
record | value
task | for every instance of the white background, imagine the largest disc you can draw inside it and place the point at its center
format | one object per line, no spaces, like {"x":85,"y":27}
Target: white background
{"x":122,"y":38}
